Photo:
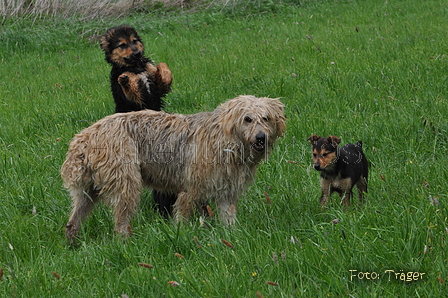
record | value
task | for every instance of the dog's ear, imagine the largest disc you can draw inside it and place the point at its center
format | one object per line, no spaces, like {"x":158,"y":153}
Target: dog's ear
{"x":281,"y":126}
{"x":104,"y":44}
{"x":231,"y":112}
{"x":313,"y":139}
{"x":226,"y":118}
{"x":334,"y":140}
{"x":279,"y":115}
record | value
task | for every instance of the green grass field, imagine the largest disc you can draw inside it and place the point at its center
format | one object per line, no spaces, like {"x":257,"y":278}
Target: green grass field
{"x":375,"y":71}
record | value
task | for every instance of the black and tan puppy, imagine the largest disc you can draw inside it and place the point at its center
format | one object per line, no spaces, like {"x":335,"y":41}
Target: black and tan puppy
{"x":136,"y":82}
{"x":340,"y":168}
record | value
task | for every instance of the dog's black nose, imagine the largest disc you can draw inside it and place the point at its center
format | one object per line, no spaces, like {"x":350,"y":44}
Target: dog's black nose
{"x":137,"y":54}
{"x":317,"y":166}
{"x":261,"y":137}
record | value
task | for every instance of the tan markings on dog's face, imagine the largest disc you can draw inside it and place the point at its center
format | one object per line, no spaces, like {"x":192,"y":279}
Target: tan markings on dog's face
{"x":323,"y":158}
{"x":127,"y":51}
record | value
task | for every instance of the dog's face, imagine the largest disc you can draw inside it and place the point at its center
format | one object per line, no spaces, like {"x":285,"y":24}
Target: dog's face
{"x":122,"y":46}
{"x":258,"y":122}
{"x":325,"y":151}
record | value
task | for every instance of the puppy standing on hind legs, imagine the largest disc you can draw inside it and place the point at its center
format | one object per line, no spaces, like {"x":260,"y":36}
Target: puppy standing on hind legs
{"x":341,"y":168}
{"x":215,"y":157}
{"x":136,"y":82}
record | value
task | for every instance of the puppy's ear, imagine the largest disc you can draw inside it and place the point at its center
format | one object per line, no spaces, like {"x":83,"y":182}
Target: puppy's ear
{"x":313,"y":139}
{"x":334,"y":140}
{"x":104,"y":44}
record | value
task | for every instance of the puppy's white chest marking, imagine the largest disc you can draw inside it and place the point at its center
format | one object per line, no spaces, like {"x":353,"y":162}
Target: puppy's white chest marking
{"x":144,"y":78}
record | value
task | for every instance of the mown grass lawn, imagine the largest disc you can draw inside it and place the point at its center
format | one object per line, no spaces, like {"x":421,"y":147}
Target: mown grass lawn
{"x":363,"y":70}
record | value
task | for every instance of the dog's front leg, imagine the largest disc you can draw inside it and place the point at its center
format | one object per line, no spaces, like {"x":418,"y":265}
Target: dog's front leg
{"x":227,"y":211}
{"x":130,"y":84}
{"x":325,"y":186}
{"x":184,"y":206}
{"x":164,"y":75}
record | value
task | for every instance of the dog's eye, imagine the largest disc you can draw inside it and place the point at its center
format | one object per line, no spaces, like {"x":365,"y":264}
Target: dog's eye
{"x":122,"y":45}
{"x":266,"y":119}
{"x":248,"y":119}
{"x":324,"y":154}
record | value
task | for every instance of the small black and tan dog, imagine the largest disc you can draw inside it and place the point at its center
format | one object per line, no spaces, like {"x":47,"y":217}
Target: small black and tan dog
{"x":136,"y":82}
{"x":340,"y":168}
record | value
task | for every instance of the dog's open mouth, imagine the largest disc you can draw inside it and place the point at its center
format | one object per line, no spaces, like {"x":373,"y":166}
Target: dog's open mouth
{"x":259,"y":145}
{"x":260,"y":142}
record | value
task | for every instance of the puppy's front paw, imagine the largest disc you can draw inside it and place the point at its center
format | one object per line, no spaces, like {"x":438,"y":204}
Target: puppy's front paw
{"x":123,"y":80}
{"x":164,"y":73}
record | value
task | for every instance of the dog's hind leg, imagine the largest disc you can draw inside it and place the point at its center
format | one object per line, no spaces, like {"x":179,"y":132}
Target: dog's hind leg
{"x":125,"y":199}
{"x":362,"y":188}
{"x":345,"y":198}
{"x":83,"y":204}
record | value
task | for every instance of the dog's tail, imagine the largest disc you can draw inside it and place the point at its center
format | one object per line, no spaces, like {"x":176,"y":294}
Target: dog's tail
{"x":74,"y":169}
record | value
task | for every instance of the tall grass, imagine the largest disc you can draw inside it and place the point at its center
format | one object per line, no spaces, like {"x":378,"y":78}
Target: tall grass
{"x":91,"y":9}
{"x":87,"y":9}
{"x":369,"y":70}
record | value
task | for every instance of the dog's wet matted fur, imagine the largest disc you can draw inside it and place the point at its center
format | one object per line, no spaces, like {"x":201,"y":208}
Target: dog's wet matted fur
{"x":340,"y":168}
{"x":136,"y":82}
{"x":199,"y":157}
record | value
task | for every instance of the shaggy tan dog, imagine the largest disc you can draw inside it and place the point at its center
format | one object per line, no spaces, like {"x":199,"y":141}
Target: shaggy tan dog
{"x":198,"y":157}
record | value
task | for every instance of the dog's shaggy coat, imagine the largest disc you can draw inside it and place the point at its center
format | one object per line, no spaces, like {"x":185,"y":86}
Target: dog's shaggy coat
{"x":198,"y":157}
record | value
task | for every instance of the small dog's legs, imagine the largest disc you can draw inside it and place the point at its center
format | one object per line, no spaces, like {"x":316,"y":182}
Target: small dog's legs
{"x":362,"y":188}
{"x":345,"y":198}
{"x":83,"y":204}
{"x":325,"y":187}
{"x":345,"y":191}
{"x":164,"y":202}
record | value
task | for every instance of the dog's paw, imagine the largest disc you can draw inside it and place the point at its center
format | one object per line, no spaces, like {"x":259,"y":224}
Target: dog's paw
{"x":164,"y":73}
{"x":151,"y":68}
{"x":123,"y":80}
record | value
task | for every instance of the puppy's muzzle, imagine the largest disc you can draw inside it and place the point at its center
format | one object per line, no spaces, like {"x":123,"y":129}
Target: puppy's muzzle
{"x":136,"y":55}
